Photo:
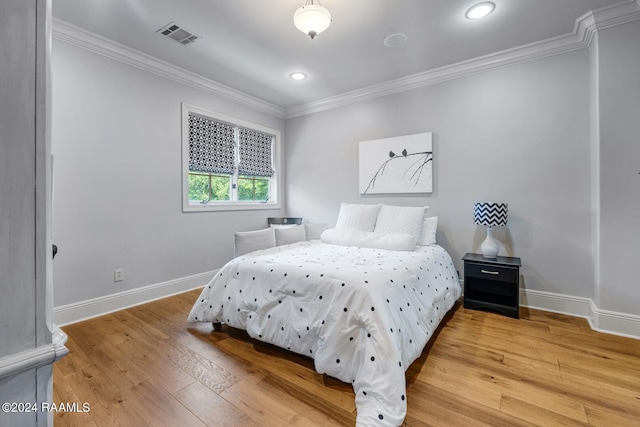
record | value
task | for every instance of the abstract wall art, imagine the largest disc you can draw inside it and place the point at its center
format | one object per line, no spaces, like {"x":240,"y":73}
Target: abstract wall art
{"x":402,"y":164}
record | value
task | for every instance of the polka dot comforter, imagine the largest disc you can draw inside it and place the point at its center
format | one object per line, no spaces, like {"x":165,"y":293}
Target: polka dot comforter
{"x":364,"y":315}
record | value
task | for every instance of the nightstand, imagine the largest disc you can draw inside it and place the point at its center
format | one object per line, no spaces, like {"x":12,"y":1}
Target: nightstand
{"x":492,"y":283}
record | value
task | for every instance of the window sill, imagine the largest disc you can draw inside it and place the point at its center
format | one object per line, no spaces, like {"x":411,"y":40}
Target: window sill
{"x":229,"y":206}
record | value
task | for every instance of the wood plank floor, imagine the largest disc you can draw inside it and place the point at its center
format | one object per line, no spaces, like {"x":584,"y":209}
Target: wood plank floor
{"x":146,"y":366}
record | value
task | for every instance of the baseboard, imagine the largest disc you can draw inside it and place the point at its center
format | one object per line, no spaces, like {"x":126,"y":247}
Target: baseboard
{"x":557,"y":303}
{"x":83,"y":310}
{"x":611,"y":322}
{"x":600,"y":320}
{"x":606,"y":321}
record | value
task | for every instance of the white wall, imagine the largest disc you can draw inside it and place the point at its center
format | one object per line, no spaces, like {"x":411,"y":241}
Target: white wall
{"x":117,"y":201}
{"x":518,"y":134}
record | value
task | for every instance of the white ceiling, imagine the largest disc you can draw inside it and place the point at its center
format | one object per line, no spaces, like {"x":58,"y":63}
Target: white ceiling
{"x":253,"y":46}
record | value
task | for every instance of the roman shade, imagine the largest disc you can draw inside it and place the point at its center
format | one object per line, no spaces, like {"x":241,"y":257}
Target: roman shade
{"x":211,"y":146}
{"x":255,"y":153}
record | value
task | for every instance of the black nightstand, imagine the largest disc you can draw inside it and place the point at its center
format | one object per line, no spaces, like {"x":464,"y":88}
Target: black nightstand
{"x":492,"y":283}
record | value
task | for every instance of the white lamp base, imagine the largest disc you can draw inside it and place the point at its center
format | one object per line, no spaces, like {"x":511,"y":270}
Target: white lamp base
{"x":489,"y":247}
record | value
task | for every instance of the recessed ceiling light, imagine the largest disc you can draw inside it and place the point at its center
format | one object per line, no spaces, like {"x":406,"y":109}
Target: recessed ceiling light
{"x":395,"y":40}
{"x":480,"y":10}
{"x":298,"y":75}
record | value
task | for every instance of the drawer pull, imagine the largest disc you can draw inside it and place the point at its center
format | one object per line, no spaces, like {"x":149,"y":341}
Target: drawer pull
{"x":490,"y":272}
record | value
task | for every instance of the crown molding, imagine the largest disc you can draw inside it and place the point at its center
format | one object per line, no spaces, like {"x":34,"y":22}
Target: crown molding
{"x":584,"y":31}
{"x":582,"y":36}
{"x":92,"y":42}
{"x":590,"y":23}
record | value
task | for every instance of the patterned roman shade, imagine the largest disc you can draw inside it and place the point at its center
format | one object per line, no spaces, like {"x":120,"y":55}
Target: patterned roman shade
{"x":255,"y":153}
{"x":211,"y":146}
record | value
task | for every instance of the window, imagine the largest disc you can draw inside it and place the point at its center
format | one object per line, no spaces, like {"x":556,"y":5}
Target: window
{"x":228,"y":164}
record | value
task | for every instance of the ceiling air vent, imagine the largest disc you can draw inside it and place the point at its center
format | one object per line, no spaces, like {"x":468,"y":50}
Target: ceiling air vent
{"x":179,"y":34}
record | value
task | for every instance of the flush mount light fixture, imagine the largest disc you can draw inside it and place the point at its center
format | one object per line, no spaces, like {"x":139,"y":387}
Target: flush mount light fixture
{"x":395,"y":40}
{"x":298,"y":75}
{"x":480,"y":10}
{"x":312,"y":18}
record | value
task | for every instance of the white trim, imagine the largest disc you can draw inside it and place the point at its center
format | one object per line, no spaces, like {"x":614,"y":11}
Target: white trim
{"x":606,"y":321}
{"x":610,"y":322}
{"x":594,"y":144}
{"x":557,"y":303}
{"x":34,"y":358}
{"x":83,"y":310}
{"x":92,"y":42}
{"x":227,"y":206}
{"x":584,"y":30}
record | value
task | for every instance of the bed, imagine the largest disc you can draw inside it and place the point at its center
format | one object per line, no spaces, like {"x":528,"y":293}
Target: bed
{"x":363,"y":313}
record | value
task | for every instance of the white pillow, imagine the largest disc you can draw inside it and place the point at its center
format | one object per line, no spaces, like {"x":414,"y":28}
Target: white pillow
{"x":369,"y":239}
{"x":400,"y":219}
{"x":313,"y":231}
{"x":249,"y":241}
{"x":357,"y":217}
{"x":428,"y":234}
{"x":288,"y":235}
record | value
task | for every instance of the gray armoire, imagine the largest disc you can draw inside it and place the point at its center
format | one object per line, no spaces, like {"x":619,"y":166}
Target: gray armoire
{"x":29,"y":341}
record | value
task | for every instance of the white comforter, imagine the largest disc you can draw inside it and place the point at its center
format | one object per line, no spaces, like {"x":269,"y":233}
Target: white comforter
{"x":363,"y":315}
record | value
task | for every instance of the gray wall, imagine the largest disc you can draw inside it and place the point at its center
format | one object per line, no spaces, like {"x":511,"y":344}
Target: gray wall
{"x":518,"y":134}
{"x":619,"y":153}
{"x":547,"y":136}
{"x":117,"y":201}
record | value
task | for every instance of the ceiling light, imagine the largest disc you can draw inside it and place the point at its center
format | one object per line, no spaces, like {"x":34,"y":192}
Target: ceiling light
{"x":312,"y":19}
{"x":480,"y":10}
{"x":298,"y":75}
{"x":395,"y":40}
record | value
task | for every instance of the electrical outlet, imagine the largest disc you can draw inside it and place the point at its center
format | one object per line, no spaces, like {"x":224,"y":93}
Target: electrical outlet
{"x":118,"y":275}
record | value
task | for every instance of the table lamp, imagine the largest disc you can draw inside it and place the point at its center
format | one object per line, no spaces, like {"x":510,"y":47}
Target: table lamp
{"x":489,"y":214}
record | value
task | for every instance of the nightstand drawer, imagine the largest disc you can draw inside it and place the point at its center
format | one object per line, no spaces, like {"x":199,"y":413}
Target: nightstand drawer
{"x":492,"y":272}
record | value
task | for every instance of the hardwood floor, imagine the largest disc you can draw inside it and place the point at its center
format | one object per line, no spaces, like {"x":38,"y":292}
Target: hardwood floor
{"x":146,"y":366}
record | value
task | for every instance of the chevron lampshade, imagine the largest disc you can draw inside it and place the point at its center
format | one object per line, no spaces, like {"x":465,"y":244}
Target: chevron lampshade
{"x":490,"y":213}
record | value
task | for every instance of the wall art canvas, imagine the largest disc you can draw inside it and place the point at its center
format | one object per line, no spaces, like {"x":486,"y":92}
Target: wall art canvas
{"x":402,"y":164}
